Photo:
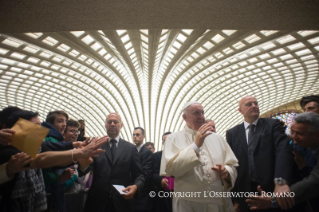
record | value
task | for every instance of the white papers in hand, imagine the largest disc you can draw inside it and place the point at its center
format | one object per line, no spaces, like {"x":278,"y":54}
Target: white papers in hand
{"x":119,"y":188}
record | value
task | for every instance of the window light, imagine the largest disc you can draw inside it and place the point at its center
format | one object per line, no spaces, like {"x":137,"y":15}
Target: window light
{"x":285,"y":39}
{"x":87,"y":39}
{"x":239,"y":45}
{"x":218,"y":38}
{"x":63,"y":47}
{"x":12,"y":42}
{"x":181,"y":38}
{"x":252,"y":38}
{"x":268,"y":32}
{"x":50,"y":41}
{"x":302,"y":52}
{"x":229,"y":32}
{"x":306,"y":33}
{"x":18,"y":55}
{"x":296,"y":46}
{"x":31,"y":49}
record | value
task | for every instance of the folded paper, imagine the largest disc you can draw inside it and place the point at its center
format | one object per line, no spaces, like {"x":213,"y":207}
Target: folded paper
{"x":28,"y":136}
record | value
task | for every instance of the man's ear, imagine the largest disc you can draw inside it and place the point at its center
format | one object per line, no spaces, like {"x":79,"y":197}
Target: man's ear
{"x":240,"y":110}
{"x":184,"y":116}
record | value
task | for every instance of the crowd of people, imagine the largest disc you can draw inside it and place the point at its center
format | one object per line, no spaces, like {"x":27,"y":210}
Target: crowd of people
{"x":257,"y":158}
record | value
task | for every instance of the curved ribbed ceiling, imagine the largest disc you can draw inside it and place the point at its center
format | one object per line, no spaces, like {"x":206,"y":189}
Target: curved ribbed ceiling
{"x":147,"y":75}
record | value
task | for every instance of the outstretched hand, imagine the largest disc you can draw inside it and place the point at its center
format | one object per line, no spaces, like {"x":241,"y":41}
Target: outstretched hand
{"x":17,"y":163}
{"x":5,"y":136}
{"x":259,"y":202}
{"x":93,"y":149}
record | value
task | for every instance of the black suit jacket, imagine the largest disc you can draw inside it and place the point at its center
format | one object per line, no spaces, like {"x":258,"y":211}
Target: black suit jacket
{"x":272,"y":156}
{"x":308,"y":187}
{"x":157,"y":157}
{"x":125,"y":169}
{"x":163,"y":204}
{"x":143,"y":202}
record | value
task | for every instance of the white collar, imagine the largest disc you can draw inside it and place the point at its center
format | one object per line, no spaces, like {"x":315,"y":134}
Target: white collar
{"x":139,"y":148}
{"x":117,"y":138}
{"x":246,"y":124}
{"x":189,"y":130}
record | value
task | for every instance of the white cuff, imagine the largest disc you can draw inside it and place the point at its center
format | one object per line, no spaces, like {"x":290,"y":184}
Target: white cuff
{"x":197,"y":150}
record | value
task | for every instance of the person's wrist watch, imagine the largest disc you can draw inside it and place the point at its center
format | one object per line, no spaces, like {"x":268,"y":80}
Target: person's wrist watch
{"x":280,"y":181}
{"x":274,"y":203}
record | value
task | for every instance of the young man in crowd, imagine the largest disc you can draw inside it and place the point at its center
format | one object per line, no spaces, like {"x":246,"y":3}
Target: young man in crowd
{"x":150,"y":146}
{"x":143,"y":202}
{"x":71,"y":131}
{"x":54,"y":180}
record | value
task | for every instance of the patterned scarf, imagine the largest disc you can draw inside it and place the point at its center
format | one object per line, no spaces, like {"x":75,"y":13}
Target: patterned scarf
{"x":30,"y":191}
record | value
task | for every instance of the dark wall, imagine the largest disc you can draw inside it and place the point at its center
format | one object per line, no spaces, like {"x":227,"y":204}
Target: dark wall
{"x":68,"y":15}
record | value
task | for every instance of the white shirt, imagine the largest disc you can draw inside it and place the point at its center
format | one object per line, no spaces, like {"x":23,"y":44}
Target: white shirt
{"x":246,"y":124}
{"x":139,"y":147}
{"x":117,"y":141}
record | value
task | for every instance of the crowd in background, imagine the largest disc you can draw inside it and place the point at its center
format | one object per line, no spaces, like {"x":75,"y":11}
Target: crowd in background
{"x":67,"y":162}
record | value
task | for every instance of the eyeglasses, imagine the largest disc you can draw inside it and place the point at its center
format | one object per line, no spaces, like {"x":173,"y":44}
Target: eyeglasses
{"x":249,"y":104}
{"x":110,"y":122}
{"x":137,"y":134}
{"x":74,"y":131}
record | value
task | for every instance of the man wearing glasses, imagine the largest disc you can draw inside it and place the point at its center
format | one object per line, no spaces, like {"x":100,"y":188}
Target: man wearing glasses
{"x":143,"y":202}
{"x":120,"y":165}
{"x":261,"y":146}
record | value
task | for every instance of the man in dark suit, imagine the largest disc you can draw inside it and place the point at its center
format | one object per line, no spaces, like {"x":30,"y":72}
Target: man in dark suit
{"x":143,"y":202}
{"x":262,"y":149}
{"x":163,"y":204}
{"x":305,"y":133}
{"x":120,"y":165}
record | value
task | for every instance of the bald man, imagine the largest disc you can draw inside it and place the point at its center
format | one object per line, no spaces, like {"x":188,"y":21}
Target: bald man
{"x":201,"y":162}
{"x":120,"y":165}
{"x":261,"y":146}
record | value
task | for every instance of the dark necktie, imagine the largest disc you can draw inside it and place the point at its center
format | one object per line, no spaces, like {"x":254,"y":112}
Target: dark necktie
{"x":252,"y":169}
{"x":113,"y":148}
{"x":250,"y":133}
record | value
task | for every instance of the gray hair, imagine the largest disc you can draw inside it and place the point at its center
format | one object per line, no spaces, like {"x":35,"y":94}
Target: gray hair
{"x":309,"y":118}
{"x":209,"y":120}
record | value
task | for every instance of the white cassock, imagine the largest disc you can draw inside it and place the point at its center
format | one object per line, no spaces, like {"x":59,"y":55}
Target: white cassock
{"x":193,"y":173}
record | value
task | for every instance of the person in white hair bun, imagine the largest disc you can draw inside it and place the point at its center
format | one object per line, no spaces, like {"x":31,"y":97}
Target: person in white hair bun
{"x":201,"y":162}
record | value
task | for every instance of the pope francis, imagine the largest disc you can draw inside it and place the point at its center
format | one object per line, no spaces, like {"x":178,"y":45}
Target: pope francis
{"x":201,"y":162}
